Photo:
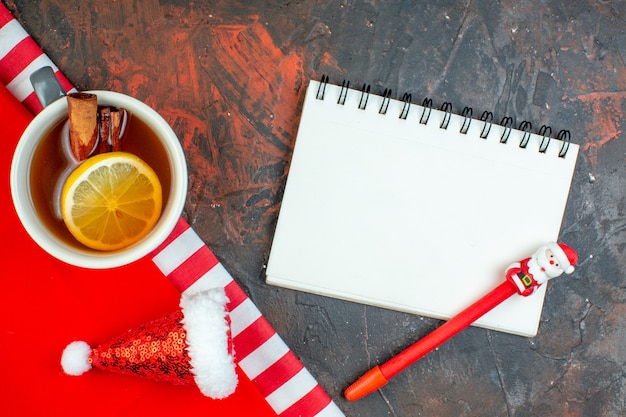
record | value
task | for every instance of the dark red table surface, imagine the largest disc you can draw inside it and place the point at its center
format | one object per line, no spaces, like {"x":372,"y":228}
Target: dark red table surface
{"x":229,"y":76}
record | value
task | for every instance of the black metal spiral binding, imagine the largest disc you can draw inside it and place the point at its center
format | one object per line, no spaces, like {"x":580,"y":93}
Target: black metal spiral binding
{"x":321,"y":89}
{"x":564,"y":136}
{"x":385,"y":103}
{"x":487,"y":117}
{"x":365,"y":96}
{"x":447,"y":108}
{"x":467,"y":119}
{"x":343,"y":94}
{"x":406,"y":106}
{"x":545,"y":131}
{"x":526,"y":127}
{"x":506,"y":122}
{"x":427,"y":104}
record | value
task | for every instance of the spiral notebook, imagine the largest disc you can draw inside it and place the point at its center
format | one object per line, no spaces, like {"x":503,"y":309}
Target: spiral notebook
{"x":417,"y":208}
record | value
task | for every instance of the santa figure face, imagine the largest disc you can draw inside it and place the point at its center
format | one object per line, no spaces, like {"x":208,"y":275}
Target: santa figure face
{"x":554,"y":263}
{"x":548,"y":263}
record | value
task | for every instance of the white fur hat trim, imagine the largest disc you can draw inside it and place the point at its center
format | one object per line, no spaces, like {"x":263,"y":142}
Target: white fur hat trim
{"x":205,"y":321}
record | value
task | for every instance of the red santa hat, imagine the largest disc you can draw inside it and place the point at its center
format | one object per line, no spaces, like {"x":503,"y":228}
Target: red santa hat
{"x":565,"y":255}
{"x":192,"y":345}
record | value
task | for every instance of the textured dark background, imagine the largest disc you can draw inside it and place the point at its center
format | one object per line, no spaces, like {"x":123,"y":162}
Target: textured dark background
{"x":229,"y":76}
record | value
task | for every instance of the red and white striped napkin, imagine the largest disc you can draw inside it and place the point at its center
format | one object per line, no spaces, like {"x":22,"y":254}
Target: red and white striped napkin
{"x":287,"y":386}
{"x":20,"y":56}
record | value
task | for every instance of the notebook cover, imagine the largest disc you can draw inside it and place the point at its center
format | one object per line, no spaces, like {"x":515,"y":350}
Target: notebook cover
{"x":384,"y":210}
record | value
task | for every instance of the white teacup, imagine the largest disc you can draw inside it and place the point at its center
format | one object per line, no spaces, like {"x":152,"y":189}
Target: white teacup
{"x":75,"y":253}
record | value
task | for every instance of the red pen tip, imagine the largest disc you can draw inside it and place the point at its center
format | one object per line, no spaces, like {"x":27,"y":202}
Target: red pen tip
{"x":368,"y":383}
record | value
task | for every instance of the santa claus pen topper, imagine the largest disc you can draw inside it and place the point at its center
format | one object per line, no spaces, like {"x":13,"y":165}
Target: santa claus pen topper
{"x":523,"y":278}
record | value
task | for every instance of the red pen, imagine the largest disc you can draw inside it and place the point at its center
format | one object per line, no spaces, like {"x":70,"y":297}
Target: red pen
{"x":523,"y":278}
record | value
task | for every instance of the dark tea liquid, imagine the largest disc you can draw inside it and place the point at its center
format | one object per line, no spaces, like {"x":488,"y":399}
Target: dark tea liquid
{"x":48,"y":164}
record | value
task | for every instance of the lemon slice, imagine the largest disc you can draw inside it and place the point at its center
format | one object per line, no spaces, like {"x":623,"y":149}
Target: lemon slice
{"x":111,"y":201}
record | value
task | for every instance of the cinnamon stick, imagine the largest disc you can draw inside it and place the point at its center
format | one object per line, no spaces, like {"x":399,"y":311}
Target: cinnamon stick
{"x":104,"y":127}
{"x":82,"y":112}
{"x":118,"y":125}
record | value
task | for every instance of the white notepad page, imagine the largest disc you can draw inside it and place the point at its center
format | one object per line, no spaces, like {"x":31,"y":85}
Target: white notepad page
{"x":391,"y":212}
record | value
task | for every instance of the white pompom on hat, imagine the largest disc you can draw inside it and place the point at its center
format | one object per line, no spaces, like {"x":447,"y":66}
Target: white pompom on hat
{"x":75,"y":358}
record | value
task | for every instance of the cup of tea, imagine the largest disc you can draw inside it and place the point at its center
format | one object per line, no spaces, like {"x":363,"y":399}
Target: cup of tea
{"x":38,"y":160}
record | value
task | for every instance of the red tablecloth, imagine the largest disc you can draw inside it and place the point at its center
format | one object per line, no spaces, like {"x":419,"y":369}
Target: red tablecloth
{"x":45,"y":304}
